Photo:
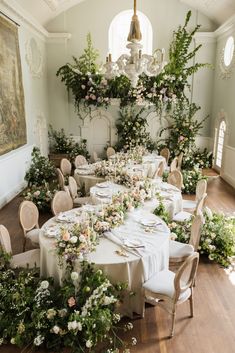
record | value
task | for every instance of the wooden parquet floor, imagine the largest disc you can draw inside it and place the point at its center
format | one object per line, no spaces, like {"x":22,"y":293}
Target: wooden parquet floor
{"x":212,"y":330}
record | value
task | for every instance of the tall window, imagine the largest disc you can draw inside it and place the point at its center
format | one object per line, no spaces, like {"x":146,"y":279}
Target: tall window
{"x":119,"y":30}
{"x":220,"y":143}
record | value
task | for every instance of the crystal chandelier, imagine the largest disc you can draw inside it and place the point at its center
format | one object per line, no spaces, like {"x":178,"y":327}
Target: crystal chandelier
{"x":136,"y":63}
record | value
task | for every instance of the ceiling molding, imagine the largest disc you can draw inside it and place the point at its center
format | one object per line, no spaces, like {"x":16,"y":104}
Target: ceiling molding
{"x":205,"y":37}
{"x":58,"y":37}
{"x":53,"y":4}
{"x":226,"y":28}
{"x":14,"y":11}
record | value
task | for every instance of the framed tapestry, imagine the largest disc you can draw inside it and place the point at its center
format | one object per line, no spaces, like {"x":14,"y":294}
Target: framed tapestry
{"x":12,"y":112}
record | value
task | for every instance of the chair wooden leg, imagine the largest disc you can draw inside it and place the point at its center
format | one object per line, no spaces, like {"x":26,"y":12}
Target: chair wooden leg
{"x":191,"y":303}
{"x":172,"y":324}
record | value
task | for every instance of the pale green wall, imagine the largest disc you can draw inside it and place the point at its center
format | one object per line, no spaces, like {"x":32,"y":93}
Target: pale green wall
{"x":95,"y":16}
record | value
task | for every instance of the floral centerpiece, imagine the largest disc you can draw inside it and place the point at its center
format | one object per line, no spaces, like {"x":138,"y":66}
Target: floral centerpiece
{"x":40,"y":195}
{"x":74,"y":243}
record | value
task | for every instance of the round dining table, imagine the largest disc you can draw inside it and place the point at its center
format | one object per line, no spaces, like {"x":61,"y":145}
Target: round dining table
{"x":131,"y":253}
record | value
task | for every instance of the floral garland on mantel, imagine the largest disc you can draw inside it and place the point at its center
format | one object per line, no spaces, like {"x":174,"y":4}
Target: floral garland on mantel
{"x":88,"y":85}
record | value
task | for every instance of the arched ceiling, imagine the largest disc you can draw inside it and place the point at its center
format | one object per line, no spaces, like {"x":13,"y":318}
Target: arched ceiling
{"x":45,"y":10}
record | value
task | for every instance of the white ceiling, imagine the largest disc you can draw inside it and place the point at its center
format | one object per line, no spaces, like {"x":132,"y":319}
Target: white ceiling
{"x":45,"y":10}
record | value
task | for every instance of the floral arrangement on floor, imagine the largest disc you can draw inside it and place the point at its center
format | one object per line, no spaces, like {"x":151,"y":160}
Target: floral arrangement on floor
{"x":40,"y":195}
{"x":79,"y":315}
{"x":131,"y":129}
{"x":190,"y":179}
{"x":201,"y":159}
{"x":41,"y":170}
{"x":42,"y":181}
{"x":217,"y":237}
{"x":61,"y":143}
{"x":87,"y":83}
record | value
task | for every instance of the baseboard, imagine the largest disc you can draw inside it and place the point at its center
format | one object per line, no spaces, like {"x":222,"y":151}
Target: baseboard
{"x":229,"y":179}
{"x":13,"y":193}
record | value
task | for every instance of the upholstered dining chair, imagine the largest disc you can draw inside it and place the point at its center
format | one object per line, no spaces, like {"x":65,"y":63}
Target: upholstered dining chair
{"x":79,"y":161}
{"x":165,"y":152}
{"x":26,"y":259}
{"x":95,"y":157}
{"x":174,"y":164}
{"x":60,"y":178}
{"x":65,"y":166}
{"x":28,"y":217}
{"x":175,"y":178}
{"x":183,"y":216}
{"x":160,"y":170}
{"x":61,"y":202}
{"x":170,"y":289}
{"x":110,"y":152}
{"x":180,"y":160}
{"x":73,"y":189}
{"x":200,"y":191}
{"x":178,"y":251}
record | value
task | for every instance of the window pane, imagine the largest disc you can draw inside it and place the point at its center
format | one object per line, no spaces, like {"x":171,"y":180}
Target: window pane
{"x":119,"y":30}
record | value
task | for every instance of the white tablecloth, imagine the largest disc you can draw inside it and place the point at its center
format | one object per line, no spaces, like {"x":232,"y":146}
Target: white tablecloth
{"x":98,"y":192}
{"x":152,"y":161}
{"x":139,"y":266}
{"x":87,"y":180}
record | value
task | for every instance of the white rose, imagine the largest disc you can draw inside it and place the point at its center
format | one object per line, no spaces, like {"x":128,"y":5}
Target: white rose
{"x":44,"y":285}
{"x":79,"y":326}
{"x":12,"y":341}
{"x":109,"y":300}
{"x":82,"y":238}
{"x":72,"y":325}
{"x":56,"y":329}
{"x":73,"y":239}
{"x":38,"y":340}
{"x":74,"y":276}
{"x":89,"y":344}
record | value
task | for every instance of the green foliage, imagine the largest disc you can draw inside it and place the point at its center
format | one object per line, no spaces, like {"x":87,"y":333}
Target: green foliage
{"x":161,"y":211}
{"x":184,"y":128}
{"x":61,"y":143}
{"x":190,"y":179}
{"x":162,"y":90}
{"x":78,"y":315}
{"x":201,"y":159}
{"x":217,"y":238}
{"x":181,"y":56}
{"x":131,"y":129}
{"x":41,"y":170}
{"x":41,"y":195}
{"x":87,"y":61}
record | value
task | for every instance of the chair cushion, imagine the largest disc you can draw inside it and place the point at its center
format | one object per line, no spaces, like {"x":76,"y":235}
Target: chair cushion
{"x":26,"y":259}
{"x":182,"y":216}
{"x":163,"y":283}
{"x":33,"y":235}
{"x":180,"y":250}
{"x":189,"y":204}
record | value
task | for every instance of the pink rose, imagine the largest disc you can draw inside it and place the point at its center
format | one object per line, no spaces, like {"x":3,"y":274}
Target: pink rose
{"x":71,"y":302}
{"x":181,"y":138}
{"x":66,"y":236}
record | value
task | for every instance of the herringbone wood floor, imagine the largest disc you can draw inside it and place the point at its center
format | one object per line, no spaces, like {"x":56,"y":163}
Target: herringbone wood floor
{"x":212,"y":330}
